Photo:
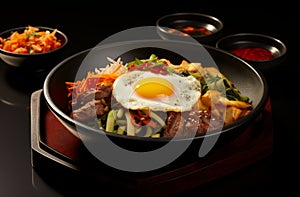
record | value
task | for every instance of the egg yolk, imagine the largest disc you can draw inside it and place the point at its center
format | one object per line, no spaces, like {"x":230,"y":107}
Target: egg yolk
{"x":154,"y":88}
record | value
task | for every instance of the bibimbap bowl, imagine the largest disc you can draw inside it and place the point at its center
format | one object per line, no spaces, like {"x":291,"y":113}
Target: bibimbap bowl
{"x":144,"y":150}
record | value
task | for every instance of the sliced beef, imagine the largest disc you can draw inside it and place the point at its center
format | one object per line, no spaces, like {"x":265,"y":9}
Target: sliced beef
{"x":83,"y":98}
{"x":173,"y":124}
{"x":91,"y":103}
{"x":187,"y":123}
{"x":103,"y":91}
{"x":97,"y":93}
{"x":90,"y":110}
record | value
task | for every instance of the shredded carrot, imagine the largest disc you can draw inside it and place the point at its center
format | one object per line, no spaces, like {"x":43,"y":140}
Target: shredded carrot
{"x":118,"y":68}
{"x":108,"y":74}
{"x":31,"y":41}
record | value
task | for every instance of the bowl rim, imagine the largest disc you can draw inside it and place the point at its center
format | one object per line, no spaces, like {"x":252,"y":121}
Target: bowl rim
{"x":254,"y":35}
{"x":214,"y":18}
{"x":66,"y":40}
{"x":58,"y":112}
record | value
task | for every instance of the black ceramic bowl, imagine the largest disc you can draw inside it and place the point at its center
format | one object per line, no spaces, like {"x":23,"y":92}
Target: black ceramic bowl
{"x":33,"y":61}
{"x":250,"y":83}
{"x":204,"y":28}
{"x":263,"y":52}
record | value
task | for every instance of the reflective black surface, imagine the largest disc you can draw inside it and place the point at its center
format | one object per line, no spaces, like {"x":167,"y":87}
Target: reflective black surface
{"x":86,"y":25}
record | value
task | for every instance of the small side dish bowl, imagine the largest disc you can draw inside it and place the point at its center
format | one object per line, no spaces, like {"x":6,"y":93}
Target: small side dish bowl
{"x":32,"y":47}
{"x":204,"y":28}
{"x":263,"y":52}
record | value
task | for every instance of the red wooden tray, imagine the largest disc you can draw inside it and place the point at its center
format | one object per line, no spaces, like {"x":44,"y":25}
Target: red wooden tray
{"x":55,"y":149}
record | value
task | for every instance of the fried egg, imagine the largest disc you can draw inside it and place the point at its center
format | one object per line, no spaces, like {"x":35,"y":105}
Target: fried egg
{"x":144,"y":89}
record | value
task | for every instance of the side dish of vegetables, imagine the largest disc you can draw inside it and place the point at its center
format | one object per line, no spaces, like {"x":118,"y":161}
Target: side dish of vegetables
{"x":31,"y":41}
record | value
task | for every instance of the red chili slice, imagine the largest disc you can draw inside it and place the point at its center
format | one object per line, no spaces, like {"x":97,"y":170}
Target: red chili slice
{"x":141,"y":118}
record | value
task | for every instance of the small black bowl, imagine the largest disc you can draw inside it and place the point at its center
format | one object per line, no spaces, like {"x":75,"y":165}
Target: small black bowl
{"x":35,"y":61}
{"x":203,"y":28}
{"x":263,"y":52}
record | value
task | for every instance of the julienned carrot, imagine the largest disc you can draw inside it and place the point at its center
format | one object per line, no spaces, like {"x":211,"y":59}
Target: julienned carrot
{"x":116,"y":69}
{"x":93,"y":79}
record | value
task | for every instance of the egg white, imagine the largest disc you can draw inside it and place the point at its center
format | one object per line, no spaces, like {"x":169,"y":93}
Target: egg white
{"x":186,"y":92}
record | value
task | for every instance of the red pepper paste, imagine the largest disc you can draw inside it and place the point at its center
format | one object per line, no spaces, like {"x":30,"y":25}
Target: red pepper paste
{"x":253,"y":53}
{"x":196,"y":30}
{"x":191,"y":31}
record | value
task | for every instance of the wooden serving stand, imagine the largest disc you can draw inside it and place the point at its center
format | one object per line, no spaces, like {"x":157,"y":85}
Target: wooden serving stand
{"x":59,"y":155}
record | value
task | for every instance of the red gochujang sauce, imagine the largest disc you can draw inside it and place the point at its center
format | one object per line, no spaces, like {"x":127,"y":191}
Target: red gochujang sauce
{"x":253,"y":53}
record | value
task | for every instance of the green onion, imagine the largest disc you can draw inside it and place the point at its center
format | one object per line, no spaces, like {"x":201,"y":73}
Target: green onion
{"x":110,"y":122}
{"x":121,"y":130}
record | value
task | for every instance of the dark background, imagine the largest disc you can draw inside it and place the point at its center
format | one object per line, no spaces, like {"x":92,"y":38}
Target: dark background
{"x":86,"y":24}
